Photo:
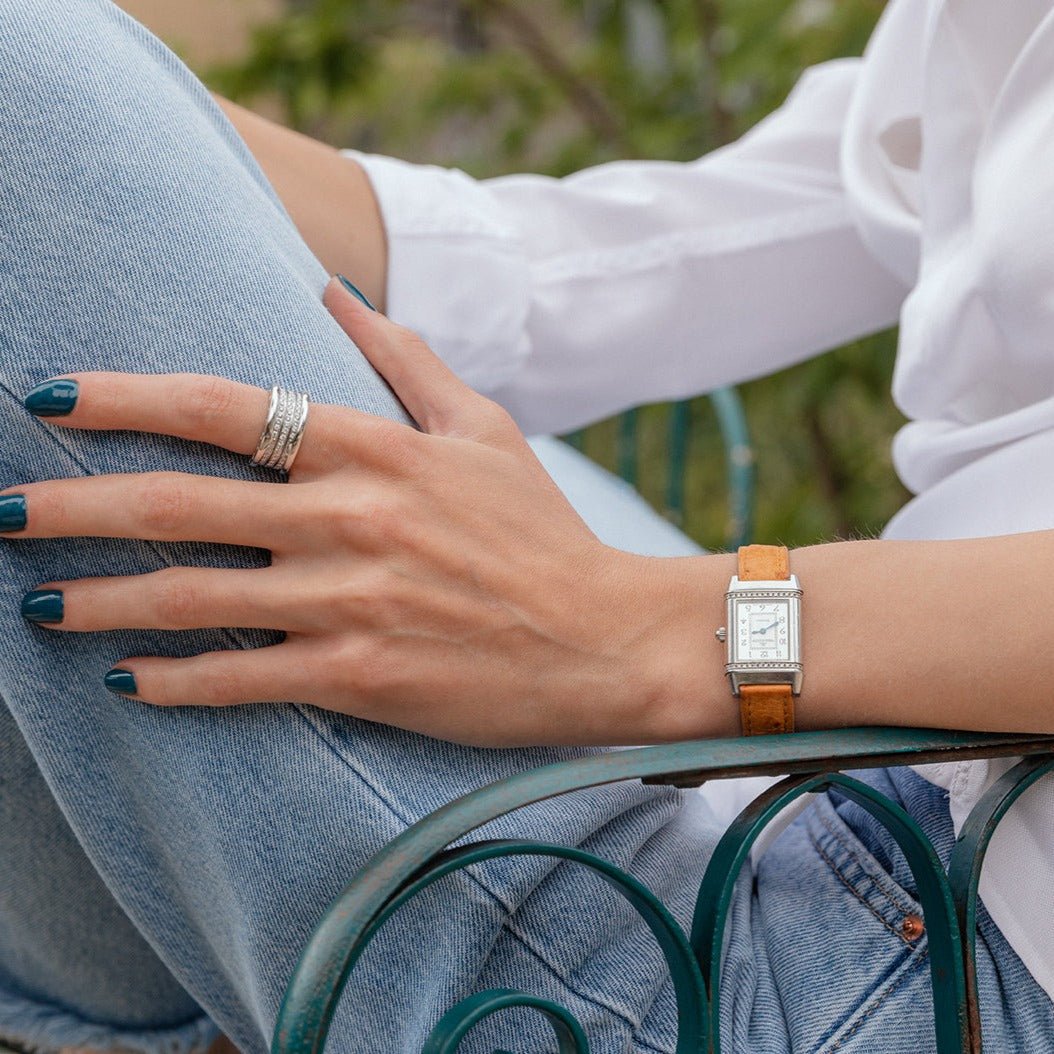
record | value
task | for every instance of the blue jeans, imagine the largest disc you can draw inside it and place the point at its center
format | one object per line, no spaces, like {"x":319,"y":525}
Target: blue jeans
{"x":160,"y":870}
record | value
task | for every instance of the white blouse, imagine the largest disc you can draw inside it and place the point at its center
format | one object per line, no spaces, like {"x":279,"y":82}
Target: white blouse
{"x":915,"y":183}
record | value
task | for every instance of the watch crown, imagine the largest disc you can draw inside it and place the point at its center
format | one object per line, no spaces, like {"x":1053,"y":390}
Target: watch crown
{"x":721,"y":634}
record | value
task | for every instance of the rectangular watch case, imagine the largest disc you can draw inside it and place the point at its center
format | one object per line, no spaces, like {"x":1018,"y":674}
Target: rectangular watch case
{"x":785,"y":665}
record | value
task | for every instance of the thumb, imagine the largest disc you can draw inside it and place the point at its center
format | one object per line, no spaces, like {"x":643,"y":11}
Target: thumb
{"x":433,"y":395}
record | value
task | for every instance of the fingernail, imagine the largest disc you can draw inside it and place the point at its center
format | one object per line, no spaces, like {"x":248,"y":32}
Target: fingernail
{"x":12,"y":513}
{"x":42,"y":605}
{"x":52,"y":398}
{"x":355,"y":291}
{"x":120,"y":682}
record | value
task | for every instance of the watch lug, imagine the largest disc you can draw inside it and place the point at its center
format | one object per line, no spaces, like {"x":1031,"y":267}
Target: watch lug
{"x":790,"y":674}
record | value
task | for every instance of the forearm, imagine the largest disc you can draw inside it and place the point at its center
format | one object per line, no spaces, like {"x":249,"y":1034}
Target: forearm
{"x":942,"y":634}
{"x":328,"y":196}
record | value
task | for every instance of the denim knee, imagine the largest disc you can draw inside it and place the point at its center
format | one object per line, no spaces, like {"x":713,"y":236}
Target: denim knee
{"x":62,"y":66}
{"x":96,"y":107}
{"x":77,"y":64}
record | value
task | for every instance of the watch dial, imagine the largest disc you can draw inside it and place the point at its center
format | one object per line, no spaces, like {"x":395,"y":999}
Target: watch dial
{"x":761,"y":631}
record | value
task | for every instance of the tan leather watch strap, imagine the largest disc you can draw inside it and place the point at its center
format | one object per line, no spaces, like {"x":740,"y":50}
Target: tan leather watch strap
{"x":766,"y":563}
{"x":765,"y":709}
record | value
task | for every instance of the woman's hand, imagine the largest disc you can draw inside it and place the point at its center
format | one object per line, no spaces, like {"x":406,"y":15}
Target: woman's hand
{"x":435,"y":579}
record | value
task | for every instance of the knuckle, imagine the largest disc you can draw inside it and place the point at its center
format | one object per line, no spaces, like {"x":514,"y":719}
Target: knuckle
{"x":383,"y":516}
{"x":348,"y":521}
{"x":495,"y":420}
{"x":477,"y":418}
{"x":347,"y":601}
{"x":222,"y":685}
{"x":176,"y":599}
{"x":204,"y":399}
{"x":165,"y":501}
{"x":157,"y":689}
{"x":200,"y":683}
{"x":407,"y":337}
{"x":368,"y":516}
{"x":361,"y":661}
{"x":366,"y":600}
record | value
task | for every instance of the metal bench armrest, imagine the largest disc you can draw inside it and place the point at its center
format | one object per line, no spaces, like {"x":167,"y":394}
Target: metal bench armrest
{"x":416,"y":857}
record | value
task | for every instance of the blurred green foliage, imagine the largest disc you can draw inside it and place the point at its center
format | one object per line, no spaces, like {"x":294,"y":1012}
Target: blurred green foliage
{"x":496,"y":86}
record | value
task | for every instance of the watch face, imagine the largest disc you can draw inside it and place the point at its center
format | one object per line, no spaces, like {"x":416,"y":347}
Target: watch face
{"x":762,"y":631}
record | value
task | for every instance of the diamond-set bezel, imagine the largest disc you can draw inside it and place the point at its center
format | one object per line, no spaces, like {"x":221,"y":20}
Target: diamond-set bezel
{"x":760,"y":671}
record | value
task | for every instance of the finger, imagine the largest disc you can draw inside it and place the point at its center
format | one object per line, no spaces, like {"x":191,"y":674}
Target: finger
{"x":162,"y":507}
{"x":276,"y":674}
{"x":201,"y":408}
{"x":434,"y":396}
{"x":177,"y":598}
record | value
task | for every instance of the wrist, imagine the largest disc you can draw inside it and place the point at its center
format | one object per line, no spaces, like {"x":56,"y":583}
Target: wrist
{"x":681,"y":661}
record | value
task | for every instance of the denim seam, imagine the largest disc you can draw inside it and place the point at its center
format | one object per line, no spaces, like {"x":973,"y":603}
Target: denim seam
{"x":878,"y":1002}
{"x":908,"y":907}
{"x":856,"y":893}
{"x":622,"y":1013}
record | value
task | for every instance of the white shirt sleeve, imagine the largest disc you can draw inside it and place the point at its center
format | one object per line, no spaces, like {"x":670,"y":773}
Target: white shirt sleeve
{"x":638,"y":281}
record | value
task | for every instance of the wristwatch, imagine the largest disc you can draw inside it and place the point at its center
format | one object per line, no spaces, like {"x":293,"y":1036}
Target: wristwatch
{"x":763,"y":634}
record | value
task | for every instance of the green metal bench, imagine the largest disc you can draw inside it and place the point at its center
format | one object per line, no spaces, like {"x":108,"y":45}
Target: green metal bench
{"x":809,"y":762}
{"x":739,"y":459}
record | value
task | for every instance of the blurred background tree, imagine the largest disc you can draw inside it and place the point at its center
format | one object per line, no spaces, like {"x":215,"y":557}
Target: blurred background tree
{"x":498,"y":86}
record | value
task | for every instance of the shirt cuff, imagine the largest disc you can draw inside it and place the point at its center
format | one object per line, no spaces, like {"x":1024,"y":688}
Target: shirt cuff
{"x":457,"y":270}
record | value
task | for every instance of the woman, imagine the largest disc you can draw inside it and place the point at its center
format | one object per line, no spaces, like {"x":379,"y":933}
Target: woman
{"x":164,"y":863}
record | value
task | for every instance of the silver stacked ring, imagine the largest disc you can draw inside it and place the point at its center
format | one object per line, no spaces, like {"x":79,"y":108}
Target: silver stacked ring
{"x":283,"y":430}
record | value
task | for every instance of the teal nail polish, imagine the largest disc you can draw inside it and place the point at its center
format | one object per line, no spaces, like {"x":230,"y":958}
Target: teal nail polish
{"x":42,"y":605}
{"x":52,"y":398}
{"x":12,"y":513}
{"x":120,"y":682}
{"x":355,"y":291}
